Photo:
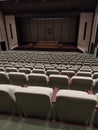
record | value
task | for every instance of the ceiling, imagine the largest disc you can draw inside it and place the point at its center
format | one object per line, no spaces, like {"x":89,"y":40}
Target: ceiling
{"x":47,"y":7}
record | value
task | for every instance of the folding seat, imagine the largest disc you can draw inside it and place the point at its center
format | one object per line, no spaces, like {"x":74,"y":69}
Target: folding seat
{"x":60,"y":68}
{"x":73,"y":69}
{"x":35,"y":79}
{"x":49,"y":72}
{"x":11,"y":69}
{"x":85,"y":74}
{"x":35,"y":102}
{"x":96,"y":113}
{"x":68,"y":73}
{"x":2,"y":69}
{"x":40,"y":71}
{"x":4,"y":79}
{"x":81,"y":83}
{"x":29,"y":66}
{"x":95,"y":75}
{"x":49,"y":68}
{"x":95,"y":86}
{"x":25,"y":70}
{"x":74,"y":106}
{"x":18,"y":78}
{"x":58,"y":81}
{"x":7,"y":99}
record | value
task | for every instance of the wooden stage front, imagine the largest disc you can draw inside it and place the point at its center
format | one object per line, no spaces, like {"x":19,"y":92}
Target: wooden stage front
{"x":49,"y":46}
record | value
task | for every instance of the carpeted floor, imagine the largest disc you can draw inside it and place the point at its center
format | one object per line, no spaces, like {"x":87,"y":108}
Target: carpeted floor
{"x":20,"y":123}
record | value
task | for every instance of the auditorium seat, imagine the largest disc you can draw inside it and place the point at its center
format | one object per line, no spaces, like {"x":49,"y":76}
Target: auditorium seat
{"x":35,"y":79}
{"x":35,"y":102}
{"x":84,"y":73}
{"x":81,"y":83}
{"x":95,"y":86}
{"x":58,"y":81}
{"x":2,"y":69}
{"x":74,"y":106}
{"x":69,"y":73}
{"x":25,"y":70}
{"x":18,"y":78}
{"x":95,"y":75}
{"x":96,"y":113}
{"x":10,"y":69}
{"x":49,"y":72}
{"x":7,"y":100}
{"x":39,"y":71}
{"x":4,"y":79}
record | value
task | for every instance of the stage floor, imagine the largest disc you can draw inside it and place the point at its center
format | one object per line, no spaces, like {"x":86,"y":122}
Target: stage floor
{"x":49,"y":47}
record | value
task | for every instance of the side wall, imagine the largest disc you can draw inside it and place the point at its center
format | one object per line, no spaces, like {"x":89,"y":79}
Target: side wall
{"x":2,"y":30}
{"x":85,"y":27}
{"x":11,"y":31}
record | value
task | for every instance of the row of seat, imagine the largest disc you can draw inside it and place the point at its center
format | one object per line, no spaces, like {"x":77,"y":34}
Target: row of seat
{"x":70,"y":72}
{"x":60,"y":81}
{"x":48,"y":57}
{"x":70,"y":106}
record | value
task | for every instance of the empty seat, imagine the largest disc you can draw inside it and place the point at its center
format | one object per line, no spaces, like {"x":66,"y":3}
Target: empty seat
{"x":35,"y":102}
{"x":25,"y":70}
{"x":2,"y":69}
{"x":60,"y":81}
{"x":17,"y":78}
{"x":96,"y":113}
{"x":95,"y":87}
{"x":7,"y":99}
{"x":40,"y":71}
{"x":95,"y":75}
{"x":4,"y":79}
{"x":10,"y":69}
{"x":74,"y":106}
{"x":49,"y":72}
{"x":82,"y":73}
{"x":81,"y":83}
{"x":37,"y":79}
{"x":68,"y":73}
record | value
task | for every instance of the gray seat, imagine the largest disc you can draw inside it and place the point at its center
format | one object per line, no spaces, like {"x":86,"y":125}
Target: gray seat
{"x":85,"y":74}
{"x":60,"y":81}
{"x":96,"y":114}
{"x":18,"y":78}
{"x":7,"y":99}
{"x":25,"y":70}
{"x":37,"y":79}
{"x":37,"y":103}
{"x":81,"y":83}
{"x":4,"y":79}
{"x":74,"y":106}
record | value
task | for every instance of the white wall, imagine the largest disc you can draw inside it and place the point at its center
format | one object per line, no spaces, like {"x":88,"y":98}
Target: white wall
{"x":10,"y":20}
{"x":95,"y":24}
{"x":2,"y":30}
{"x":85,"y":17}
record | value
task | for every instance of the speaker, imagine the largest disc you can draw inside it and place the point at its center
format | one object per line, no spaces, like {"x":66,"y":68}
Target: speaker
{"x":3,"y":46}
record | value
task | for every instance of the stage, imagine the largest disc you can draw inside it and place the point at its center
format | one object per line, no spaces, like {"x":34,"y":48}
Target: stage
{"x":49,"y":46}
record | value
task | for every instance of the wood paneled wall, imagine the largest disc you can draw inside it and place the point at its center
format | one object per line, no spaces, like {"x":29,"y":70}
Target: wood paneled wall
{"x":49,"y":29}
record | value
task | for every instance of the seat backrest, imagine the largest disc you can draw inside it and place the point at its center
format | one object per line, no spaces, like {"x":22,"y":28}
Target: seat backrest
{"x":49,"y":72}
{"x":81,"y":83}
{"x":60,"y":81}
{"x":82,"y":73}
{"x":7,"y":99}
{"x":95,"y":87}
{"x":37,"y":79}
{"x":11,"y":69}
{"x":39,"y":71}
{"x":96,"y":113}
{"x":4,"y":79}
{"x":74,"y":106}
{"x":37,"y":103}
{"x":18,"y":78}
{"x":68,"y":73}
{"x":25,"y":70}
